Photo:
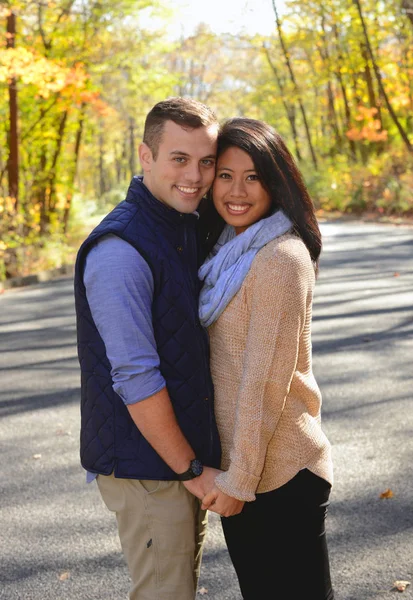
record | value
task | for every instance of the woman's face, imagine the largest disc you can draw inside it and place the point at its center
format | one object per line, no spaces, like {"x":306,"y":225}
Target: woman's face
{"x":238,"y":195}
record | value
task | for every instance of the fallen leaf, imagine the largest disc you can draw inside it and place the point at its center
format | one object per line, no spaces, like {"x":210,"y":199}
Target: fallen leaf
{"x":202,"y":591}
{"x":401,"y":585}
{"x":387,"y":494}
{"x":396,"y":274}
{"x":63,"y":576}
{"x":37,"y":456}
{"x":63,"y":432}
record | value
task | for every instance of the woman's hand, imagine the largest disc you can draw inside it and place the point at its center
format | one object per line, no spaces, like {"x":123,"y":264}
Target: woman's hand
{"x":220,"y":503}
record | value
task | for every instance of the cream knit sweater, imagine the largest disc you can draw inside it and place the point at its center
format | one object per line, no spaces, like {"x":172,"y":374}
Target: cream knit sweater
{"x":267,"y":402}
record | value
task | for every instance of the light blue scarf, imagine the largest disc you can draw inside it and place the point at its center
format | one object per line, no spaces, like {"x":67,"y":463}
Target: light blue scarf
{"x":230,"y":260}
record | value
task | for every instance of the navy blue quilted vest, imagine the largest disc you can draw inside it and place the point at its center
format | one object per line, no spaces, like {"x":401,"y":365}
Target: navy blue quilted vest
{"x":109,"y":439}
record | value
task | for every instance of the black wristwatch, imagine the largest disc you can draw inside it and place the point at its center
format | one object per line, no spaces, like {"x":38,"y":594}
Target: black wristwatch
{"x":195,"y":470}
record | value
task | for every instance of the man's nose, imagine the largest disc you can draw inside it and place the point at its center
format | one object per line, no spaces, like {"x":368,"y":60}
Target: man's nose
{"x":193,"y":173}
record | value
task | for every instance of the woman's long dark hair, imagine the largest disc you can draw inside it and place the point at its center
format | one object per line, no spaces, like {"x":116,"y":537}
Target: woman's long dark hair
{"x":279,"y":175}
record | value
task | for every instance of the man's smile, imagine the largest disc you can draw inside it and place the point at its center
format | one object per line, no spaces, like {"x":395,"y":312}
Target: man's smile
{"x":187,"y":190}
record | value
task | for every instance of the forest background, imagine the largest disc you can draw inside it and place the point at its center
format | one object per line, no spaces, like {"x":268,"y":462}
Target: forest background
{"x":77,"y":78}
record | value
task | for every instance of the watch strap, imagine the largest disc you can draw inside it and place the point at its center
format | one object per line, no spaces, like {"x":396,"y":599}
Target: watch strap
{"x":195,"y":470}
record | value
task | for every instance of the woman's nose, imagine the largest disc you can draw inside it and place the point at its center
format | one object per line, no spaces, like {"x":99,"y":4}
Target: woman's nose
{"x":238,"y":189}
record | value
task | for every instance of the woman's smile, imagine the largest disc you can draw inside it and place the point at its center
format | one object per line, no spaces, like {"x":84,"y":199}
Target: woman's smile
{"x":237,"y":209}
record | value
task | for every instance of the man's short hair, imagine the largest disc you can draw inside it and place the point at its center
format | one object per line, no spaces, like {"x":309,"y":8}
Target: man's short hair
{"x":182,"y":111}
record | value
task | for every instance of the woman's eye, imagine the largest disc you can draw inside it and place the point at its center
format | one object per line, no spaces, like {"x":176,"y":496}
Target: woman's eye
{"x":224,"y":176}
{"x":253,"y":178}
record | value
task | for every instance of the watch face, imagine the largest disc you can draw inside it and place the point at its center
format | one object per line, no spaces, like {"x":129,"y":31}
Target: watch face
{"x":196,"y":467}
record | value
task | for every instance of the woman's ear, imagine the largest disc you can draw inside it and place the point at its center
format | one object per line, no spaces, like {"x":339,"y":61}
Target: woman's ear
{"x":145,"y":157}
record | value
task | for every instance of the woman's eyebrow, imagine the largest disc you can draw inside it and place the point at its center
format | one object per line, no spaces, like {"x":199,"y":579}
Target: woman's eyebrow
{"x":232,"y":170}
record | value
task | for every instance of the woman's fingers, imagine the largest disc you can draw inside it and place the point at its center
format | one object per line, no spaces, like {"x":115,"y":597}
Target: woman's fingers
{"x":226,"y":506}
{"x":209,"y":499}
{"x":234,"y":507}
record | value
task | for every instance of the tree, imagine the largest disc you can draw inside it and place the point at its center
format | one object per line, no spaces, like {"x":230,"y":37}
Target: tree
{"x":289,"y":106}
{"x":407,"y":6}
{"x":383,"y":92}
{"x":13,"y":143}
{"x":296,"y":88}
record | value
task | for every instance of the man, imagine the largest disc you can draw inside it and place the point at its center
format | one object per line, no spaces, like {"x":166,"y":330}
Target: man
{"x":148,"y":430}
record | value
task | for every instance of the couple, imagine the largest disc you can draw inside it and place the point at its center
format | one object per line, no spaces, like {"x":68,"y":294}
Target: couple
{"x":176,"y":306}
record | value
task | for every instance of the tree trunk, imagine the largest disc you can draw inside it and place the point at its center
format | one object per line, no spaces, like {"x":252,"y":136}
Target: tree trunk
{"x":289,"y":109}
{"x":118,"y":162}
{"x":294,"y":82}
{"x":13,"y":140}
{"x":132,"y":148}
{"x":369,"y":82}
{"x":407,"y":6}
{"x":393,"y":115}
{"x":53,"y":168}
{"x":102,"y":174}
{"x":71,"y":185}
{"x":332,"y":113}
{"x":124,"y":159}
{"x":43,"y":113}
{"x":39,"y":195}
{"x":343,"y":88}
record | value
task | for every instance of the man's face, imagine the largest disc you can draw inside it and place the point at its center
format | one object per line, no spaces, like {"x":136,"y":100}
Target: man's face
{"x":184,"y":167}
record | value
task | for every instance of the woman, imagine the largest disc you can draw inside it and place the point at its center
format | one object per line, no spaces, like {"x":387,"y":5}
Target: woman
{"x":256,"y":302}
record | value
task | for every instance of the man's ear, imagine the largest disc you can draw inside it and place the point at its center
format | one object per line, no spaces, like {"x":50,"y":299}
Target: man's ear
{"x":145,"y":157}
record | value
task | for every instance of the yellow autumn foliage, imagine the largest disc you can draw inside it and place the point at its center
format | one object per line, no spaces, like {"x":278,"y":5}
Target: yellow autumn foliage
{"x":31,"y":68}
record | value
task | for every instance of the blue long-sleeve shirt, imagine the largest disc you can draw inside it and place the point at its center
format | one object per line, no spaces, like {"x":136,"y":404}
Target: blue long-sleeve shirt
{"x":119,"y":290}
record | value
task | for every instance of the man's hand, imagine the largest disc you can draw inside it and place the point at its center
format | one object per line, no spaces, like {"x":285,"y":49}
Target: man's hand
{"x":200,"y":486}
{"x":156,"y":420}
{"x":224,"y":505}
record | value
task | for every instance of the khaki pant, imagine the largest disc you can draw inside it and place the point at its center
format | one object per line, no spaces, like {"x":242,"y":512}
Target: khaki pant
{"x":161,"y":529}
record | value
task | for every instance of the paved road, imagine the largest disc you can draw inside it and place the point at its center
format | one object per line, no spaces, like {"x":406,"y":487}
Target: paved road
{"x":57,"y":542}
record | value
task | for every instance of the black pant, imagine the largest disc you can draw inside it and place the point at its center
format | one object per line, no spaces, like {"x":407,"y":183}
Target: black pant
{"x":278,"y":545}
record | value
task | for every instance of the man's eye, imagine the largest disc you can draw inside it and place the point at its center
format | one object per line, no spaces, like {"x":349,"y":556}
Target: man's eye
{"x":208,"y":162}
{"x":179,"y":159}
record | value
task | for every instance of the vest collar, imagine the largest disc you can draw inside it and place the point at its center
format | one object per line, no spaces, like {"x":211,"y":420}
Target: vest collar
{"x":138,"y":193}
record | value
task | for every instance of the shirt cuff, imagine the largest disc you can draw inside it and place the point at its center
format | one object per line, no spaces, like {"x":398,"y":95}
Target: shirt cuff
{"x":238,"y":484}
{"x":138,"y":388}
{"x":90,"y":476}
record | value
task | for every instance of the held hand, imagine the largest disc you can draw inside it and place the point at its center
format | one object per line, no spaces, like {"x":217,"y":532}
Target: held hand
{"x":210,"y":499}
{"x":220,"y":503}
{"x":200,"y":486}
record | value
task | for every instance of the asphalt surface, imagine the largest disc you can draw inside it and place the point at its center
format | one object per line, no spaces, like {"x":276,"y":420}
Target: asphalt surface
{"x":58,"y":542}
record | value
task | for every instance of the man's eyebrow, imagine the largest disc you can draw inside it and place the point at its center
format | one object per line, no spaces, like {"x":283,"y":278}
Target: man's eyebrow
{"x":181,"y":153}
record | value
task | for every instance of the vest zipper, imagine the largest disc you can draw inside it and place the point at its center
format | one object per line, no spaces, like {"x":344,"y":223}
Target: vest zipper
{"x":203,"y":343}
